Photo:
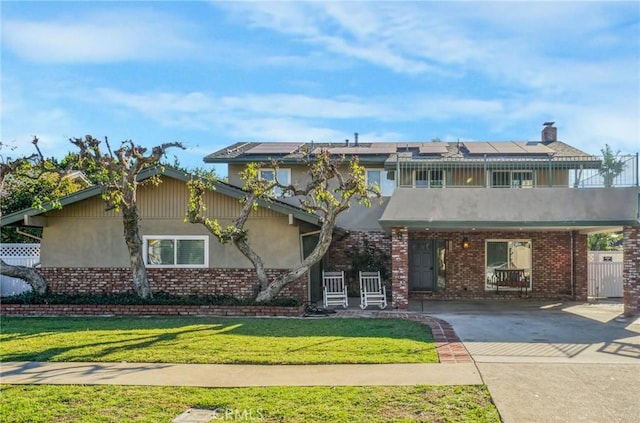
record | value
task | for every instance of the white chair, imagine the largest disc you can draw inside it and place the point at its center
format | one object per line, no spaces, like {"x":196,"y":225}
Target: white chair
{"x":334,"y":290}
{"x":372,"y":290}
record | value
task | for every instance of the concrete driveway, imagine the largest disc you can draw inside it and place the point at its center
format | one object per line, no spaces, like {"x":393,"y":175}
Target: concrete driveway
{"x":551,"y":361}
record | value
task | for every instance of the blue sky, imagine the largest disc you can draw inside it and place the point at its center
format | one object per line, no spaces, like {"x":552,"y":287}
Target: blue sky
{"x":210,"y":74}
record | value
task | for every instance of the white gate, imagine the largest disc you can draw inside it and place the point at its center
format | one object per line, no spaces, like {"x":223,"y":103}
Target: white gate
{"x":17,"y":255}
{"x":604,"y":274}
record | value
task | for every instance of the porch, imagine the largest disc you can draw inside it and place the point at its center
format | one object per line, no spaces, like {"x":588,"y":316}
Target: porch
{"x":449,"y":245}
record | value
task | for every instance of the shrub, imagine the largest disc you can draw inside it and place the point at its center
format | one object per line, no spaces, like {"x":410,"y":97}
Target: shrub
{"x":131,"y":298}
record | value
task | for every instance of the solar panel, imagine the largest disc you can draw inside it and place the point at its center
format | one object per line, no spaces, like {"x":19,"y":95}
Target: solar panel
{"x":274,"y":148}
{"x":480,"y":148}
{"x":507,"y":147}
{"x":535,"y":148}
{"x":362,"y":150}
{"x":434,"y":148}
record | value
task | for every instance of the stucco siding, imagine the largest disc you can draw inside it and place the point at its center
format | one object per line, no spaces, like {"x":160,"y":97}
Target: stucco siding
{"x":83,"y":242}
{"x":85,"y":235}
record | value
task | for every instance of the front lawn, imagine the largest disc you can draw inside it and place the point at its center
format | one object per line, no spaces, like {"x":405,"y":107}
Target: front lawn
{"x":47,"y":403}
{"x":211,"y":340}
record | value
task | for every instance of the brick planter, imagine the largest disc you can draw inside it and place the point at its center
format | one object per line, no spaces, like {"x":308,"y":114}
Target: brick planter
{"x":144,"y":310}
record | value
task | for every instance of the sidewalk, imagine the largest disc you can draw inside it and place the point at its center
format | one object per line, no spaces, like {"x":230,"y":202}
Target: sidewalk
{"x":227,"y":375}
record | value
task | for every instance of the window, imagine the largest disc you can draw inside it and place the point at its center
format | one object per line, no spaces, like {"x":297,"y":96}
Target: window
{"x":176,"y":251}
{"x":382,"y":179}
{"x":512,"y":179}
{"x":428,"y":178}
{"x":284,"y":178}
{"x":507,"y":254}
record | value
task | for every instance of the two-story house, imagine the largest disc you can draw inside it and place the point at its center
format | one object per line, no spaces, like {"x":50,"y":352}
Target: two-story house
{"x":472,"y":219}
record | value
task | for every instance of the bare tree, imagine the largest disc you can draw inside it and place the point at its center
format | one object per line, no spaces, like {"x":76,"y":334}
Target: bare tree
{"x":117,"y":172}
{"x":328,"y":193}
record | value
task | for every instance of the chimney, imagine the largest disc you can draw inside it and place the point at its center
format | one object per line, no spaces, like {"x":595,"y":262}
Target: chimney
{"x":549,"y":132}
{"x":346,"y":142}
{"x":355,"y":139}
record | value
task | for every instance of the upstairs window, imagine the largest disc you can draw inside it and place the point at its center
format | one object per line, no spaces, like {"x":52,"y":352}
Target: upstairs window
{"x":176,"y":251}
{"x":381,"y":179}
{"x":284,"y":178}
{"x":428,"y":178}
{"x":512,"y":179}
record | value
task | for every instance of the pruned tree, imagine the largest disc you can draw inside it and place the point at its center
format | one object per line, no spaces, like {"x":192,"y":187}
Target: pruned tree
{"x":117,"y":171}
{"x":327,"y":193}
{"x":611,"y":166}
{"x":8,"y":167}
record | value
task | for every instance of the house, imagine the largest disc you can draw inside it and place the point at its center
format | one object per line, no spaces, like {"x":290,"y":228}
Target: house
{"x":458,"y":215}
{"x":458,"y":220}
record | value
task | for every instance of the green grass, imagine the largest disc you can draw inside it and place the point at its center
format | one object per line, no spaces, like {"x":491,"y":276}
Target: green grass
{"x":216,"y":340}
{"x":47,"y":403}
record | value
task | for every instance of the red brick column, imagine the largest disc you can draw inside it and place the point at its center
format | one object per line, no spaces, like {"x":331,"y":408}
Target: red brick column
{"x":580,"y":267}
{"x":400,"y":268}
{"x":631,"y":270}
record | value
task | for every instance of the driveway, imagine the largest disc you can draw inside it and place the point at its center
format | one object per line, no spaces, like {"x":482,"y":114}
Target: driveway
{"x":551,"y":361}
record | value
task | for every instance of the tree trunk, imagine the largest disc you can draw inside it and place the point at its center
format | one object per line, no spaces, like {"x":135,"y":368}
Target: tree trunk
{"x":134,"y":244}
{"x":270,"y":291}
{"x":28,"y":274}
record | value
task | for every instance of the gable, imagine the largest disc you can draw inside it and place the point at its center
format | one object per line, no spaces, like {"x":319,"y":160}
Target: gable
{"x":168,"y":200}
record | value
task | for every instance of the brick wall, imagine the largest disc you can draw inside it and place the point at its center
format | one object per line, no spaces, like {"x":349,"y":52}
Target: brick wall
{"x":338,"y":255}
{"x":551,"y":264}
{"x":631,"y":270}
{"x":240,"y":283}
{"x":144,"y":310}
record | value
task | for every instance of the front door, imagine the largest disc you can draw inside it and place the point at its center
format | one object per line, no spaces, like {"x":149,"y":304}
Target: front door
{"x":315,"y":273}
{"x":421,"y":265}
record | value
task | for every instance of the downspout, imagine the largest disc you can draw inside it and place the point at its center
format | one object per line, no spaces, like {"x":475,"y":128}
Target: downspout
{"x":28,"y":235}
{"x":573,"y":282}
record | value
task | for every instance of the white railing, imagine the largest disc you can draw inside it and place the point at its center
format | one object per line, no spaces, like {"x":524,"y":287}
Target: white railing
{"x":420,"y":171}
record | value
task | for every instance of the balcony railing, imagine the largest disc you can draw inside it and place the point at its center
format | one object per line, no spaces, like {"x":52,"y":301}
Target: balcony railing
{"x":574,"y":172}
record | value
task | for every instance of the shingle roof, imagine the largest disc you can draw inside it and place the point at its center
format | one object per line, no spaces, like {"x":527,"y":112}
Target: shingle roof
{"x":245,"y":152}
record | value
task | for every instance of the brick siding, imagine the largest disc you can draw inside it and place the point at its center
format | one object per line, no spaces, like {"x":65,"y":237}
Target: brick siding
{"x":400,"y":268}
{"x":338,"y":253}
{"x":240,"y":283}
{"x":631,"y":270}
{"x":551,"y":264}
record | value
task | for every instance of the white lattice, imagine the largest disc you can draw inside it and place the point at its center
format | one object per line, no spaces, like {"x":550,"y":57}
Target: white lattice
{"x":20,"y":254}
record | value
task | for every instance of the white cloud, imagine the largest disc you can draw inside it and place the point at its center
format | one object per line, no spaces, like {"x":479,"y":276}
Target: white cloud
{"x":100,"y":37}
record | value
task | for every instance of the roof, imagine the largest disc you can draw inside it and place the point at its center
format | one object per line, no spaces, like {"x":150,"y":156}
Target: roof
{"x":468,"y":208}
{"x":220,"y":187}
{"x":381,"y":152}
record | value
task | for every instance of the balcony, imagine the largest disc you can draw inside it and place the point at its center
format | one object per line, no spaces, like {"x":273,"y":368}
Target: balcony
{"x":409,"y":170}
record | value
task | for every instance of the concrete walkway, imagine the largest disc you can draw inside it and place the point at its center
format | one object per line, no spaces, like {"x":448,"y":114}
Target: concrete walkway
{"x":224,"y":375}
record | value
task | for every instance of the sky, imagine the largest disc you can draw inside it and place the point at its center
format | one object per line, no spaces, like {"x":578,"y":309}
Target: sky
{"x":210,"y":74}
